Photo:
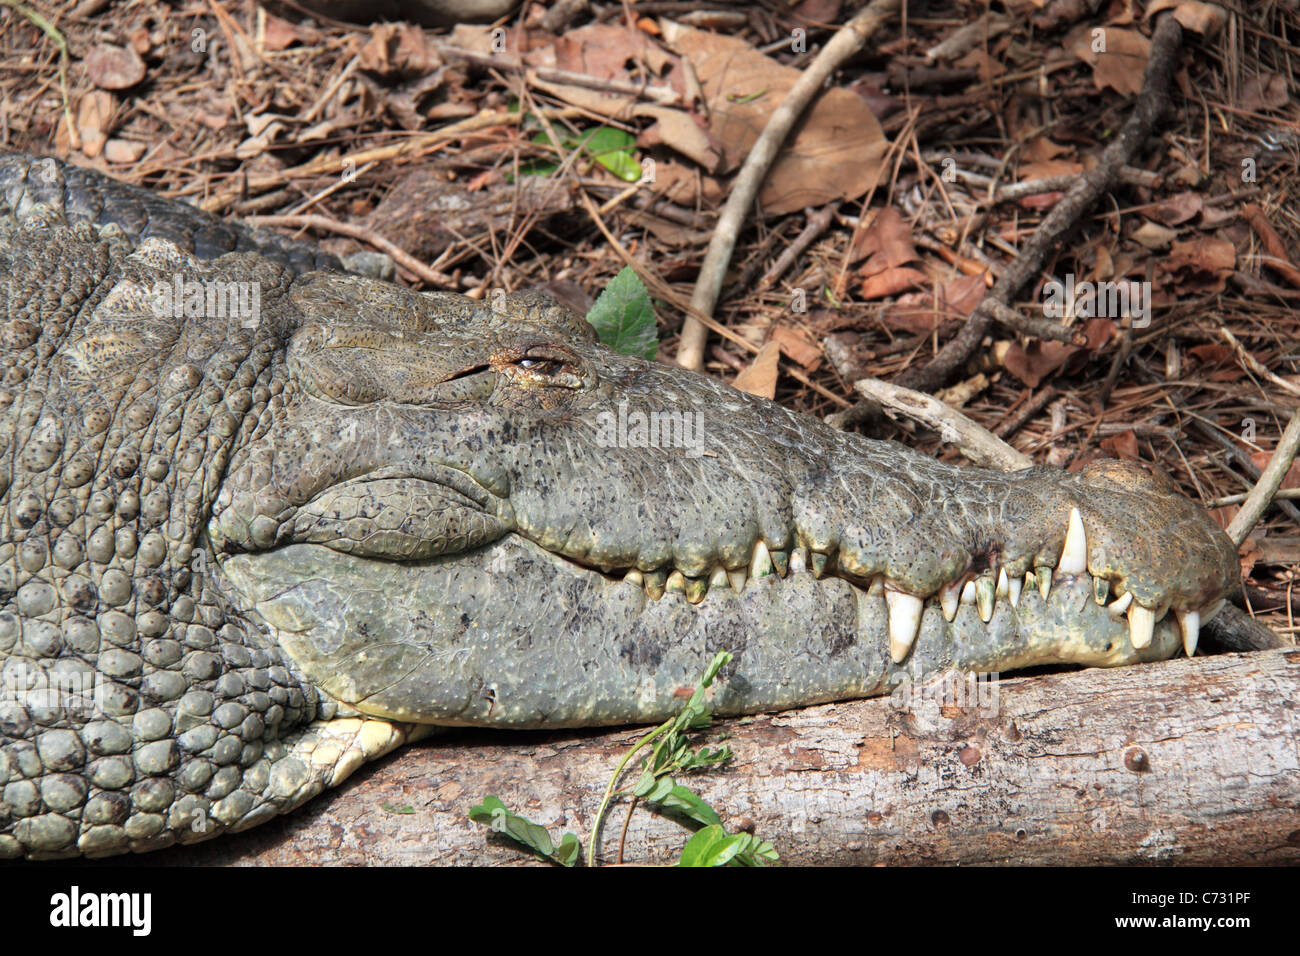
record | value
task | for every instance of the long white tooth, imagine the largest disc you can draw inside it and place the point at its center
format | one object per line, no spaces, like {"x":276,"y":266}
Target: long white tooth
{"x":1141,"y":625}
{"x":950,"y":599}
{"x":1014,"y":587}
{"x":1044,"y":582}
{"x":1120,"y":605}
{"x":1074,"y":556}
{"x":737,"y":578}
{"x":985,"y":597}
{"x":635,"y":577}
{"x":798,"y":560}
{"x":904,"y":623}
{"x":968,"y":592}
{"x":1004,"y":586}
{"x":1190,"y":624}
{"x":760,"y":566}
{"x":720,"y":579}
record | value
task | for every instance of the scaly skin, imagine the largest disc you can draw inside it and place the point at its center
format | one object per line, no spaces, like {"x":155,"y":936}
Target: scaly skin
{"x":284,"y":546}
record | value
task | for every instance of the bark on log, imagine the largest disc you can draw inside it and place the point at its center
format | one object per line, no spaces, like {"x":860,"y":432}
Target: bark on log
{"x":1186,"y":761}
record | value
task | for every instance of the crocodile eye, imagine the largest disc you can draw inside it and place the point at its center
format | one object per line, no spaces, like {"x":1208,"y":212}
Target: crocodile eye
{"x":548,"y":365}
{"x":540,"y":366}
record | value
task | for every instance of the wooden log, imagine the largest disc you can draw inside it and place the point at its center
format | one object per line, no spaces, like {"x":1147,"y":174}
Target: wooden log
{"x":1186,"y":761}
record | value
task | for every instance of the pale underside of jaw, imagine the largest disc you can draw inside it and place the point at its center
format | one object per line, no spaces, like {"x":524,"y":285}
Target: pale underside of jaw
{"x":984,"y":591}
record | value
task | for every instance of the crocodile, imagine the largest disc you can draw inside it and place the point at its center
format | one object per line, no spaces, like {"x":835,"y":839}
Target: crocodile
{"x":264,"y":520}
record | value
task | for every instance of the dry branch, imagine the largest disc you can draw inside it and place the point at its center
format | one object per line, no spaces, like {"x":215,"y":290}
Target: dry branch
{"x":1065,"y":215}
{"x":1187,"y":761}
{"x":846,"y":42}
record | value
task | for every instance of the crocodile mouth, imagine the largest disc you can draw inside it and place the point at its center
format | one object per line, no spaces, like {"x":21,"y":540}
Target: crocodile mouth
{"x":982,"y":590}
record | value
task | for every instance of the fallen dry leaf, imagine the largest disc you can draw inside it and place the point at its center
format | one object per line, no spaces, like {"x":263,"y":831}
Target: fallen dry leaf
{"x":398,"y":49}
{"x":1202,"y":263}
{"x":797,"y":346}
{"x":891,"y":282}
{"x":838,"y":148}
{"x":1264,"y":92}
{"x":603,"y":50}
{"x":1123,"y":445}
{"x":113,"y":67}
{"x":1177,"y":209}
{"x":885,"y":243}
{"x":1149,"y":235}
{"x":281,"y":34}
{"x":1206,"y":19}
{"x":1118,"y":57}
{"x":1034,"y":362}
{"x":760,"y":378}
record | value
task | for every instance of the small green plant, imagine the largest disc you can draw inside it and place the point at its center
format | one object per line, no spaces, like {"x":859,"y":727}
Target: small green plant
{"x":615,"y":149}
{"x":672,"y":753}
{"x":624,"y":316}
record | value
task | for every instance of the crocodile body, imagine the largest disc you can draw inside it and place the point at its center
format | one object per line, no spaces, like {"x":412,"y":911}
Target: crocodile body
{"x":245,"y":549}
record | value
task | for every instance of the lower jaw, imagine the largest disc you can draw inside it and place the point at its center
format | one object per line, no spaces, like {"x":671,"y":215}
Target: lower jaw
{"x":510,"y":635}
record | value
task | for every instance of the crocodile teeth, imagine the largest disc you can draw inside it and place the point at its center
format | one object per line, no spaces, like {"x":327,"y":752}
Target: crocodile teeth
{"x":697,"y":589}
{"x":968,"y":592}
{"x":736,"y":578}
{"x":1074,"y":556}
{"x":780,"y":561}
{"x":904,"y":623}
{"x":1044,"y":582}
{"x":1100,"y":590}
{"x":1004,"y":586}
{"x":676,"y":582}
{"x":654,"y":583}
{"x":818,"y":564}
{"x":1014,"y":587}
{"x":720,"y":579}
{"x":877,"y":586}
{"x":1141,"y":625}
{"x":635,"y":577}
{"x":1120,"y":605}
{"x":985,"y":596}
{"x":1189,"y":622}
{"x":760,"y":566}
{"x":950,"y":599}
{"x":798,"y":560}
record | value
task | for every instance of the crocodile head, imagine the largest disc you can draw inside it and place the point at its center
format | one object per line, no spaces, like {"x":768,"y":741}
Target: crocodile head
{"x":461,"y":514}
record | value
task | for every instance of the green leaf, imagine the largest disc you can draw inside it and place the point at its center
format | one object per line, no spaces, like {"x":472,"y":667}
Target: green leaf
{"x":393,"y":809}
{"x":624,"y":317}
{"x":711,"y":846}
{"x":569,"y":850}
{"x":614,"y":149}
{"x":720,"y":660}
{"x":690,"y":804}
{"x":493,"y":813}
{"x":644,"y":784}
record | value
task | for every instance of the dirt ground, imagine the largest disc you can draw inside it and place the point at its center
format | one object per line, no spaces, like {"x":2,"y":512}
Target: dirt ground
{"x":898,"y":199}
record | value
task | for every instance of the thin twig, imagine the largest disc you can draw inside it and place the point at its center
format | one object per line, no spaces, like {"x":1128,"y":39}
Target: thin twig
{"x":362,"y":234}
{"x":975,"y":442}
{"x":1253,"y":364}
{"x":819,"y":221}
{"x":847,"y":41}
